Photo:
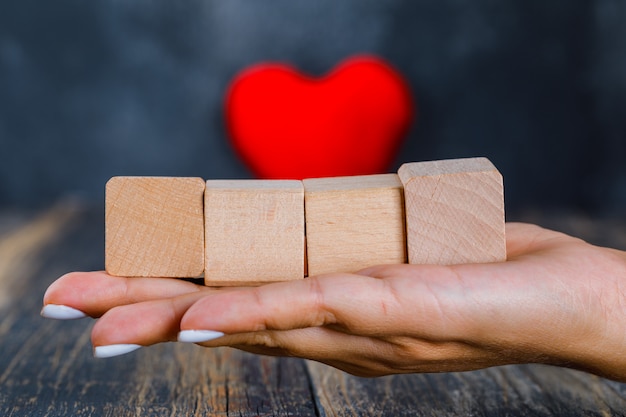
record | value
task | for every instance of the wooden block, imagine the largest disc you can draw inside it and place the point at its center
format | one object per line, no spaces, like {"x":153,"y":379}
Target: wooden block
{"x":254,"y":231}
{"x":154,"y":227}
{"x":454,"y":211}
{"x":354,"y":222}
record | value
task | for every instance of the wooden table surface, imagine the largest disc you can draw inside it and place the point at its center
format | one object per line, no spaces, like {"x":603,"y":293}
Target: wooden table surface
{"x":47,"y":368}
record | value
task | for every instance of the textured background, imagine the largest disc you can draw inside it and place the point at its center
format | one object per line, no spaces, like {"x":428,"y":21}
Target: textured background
{"x":93,"y":89}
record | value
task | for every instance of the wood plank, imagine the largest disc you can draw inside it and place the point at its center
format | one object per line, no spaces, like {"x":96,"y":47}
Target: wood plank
{"x":254,"y":231}
{"x":154,"y":227}
{"x":520,"y":390}
{"x":47,"y":368}
{"x":23,"y":241}
{"x":454,"y":211}
{"x":354,"y":222}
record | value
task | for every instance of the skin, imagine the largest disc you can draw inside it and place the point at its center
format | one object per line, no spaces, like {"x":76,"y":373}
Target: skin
{"x":556,"y":300}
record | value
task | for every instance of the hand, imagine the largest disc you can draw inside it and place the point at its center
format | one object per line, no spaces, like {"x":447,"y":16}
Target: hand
{"x":556,"y":300}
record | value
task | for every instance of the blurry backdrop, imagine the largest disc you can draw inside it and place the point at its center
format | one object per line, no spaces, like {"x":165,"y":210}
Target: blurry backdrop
{"x":93,"y":89}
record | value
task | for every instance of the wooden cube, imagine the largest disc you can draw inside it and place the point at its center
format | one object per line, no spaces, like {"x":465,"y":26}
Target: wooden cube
{"x":254,"y":231}
{"x":454,"y":211}
{"x":154,"y":227}
{"x":354,"y":222}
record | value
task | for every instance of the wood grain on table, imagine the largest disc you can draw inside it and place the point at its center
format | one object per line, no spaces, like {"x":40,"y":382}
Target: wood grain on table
{"x":47,"y":368}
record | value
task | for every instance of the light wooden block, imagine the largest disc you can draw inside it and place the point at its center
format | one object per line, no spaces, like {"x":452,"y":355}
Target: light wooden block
{"x":154,"y":227}
{"x":454,"y":211}
{"x":254,"y":231}
{"x":354,"y":222}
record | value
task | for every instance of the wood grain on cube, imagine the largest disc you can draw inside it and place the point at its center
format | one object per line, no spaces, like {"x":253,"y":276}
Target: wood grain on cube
{"x":254,"y":231}
{"x":154,"y":227}
{"x":354,"y":222}
{"x":454,"y":211}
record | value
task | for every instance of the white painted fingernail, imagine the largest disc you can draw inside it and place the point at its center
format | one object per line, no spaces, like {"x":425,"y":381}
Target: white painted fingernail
{"x":197,"y":336}
{"x":109,"y":351}
{"x":61,"y":312}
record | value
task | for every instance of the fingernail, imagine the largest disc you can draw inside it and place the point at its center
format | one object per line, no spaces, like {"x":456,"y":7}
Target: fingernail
{"x":109,"y":351}
{"x":61,"y":312}
{"x":196,"y":336}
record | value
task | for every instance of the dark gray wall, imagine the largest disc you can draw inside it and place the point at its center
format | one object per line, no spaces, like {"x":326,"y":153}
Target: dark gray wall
{"x":92,"y":89}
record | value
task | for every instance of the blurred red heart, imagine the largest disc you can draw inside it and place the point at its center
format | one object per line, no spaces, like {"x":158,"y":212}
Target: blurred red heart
{"x":286,"y":125}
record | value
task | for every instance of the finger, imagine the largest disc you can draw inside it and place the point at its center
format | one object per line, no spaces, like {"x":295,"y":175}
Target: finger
{"x":354,"y":304}
{"x":358,"y":355}
{"x":141,"y":324}
{"x":524,"y":238}
{"x":283,"y":306}
{"x":94,"y":293}
{"x":364,"y":356}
